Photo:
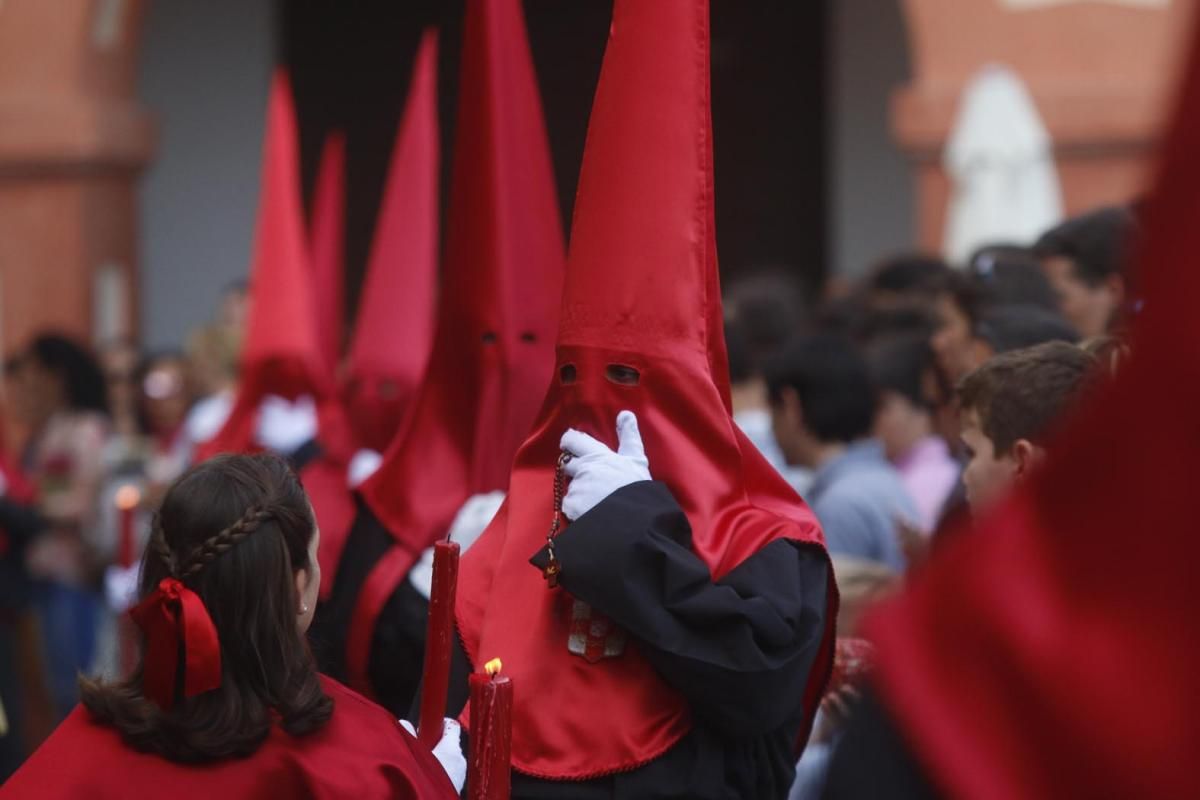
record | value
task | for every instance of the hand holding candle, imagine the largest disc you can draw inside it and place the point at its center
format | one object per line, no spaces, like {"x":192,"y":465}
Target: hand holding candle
{"x":488,"y":771}
{"x":438,"y":640}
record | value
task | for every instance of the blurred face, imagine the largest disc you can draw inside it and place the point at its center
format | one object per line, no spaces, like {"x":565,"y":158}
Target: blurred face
{"x":165,"y":396}
{"x":120,"y":362}
{"x":787,"y":423}
{"x":39,"y":392}
{"x":956,"y":349}
{"x":1089,"y":309}
{"x":899,"y":424}
{"x":988,"y":476}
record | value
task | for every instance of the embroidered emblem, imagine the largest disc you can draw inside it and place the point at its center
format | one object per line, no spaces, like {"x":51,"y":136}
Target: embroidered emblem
{"x":593,"y":635}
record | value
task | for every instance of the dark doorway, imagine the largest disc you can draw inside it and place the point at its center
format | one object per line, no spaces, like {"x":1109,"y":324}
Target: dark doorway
{"x":350,"y":65}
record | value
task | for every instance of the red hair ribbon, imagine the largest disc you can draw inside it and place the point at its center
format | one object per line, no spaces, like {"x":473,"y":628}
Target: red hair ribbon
{"x":173,"y":615}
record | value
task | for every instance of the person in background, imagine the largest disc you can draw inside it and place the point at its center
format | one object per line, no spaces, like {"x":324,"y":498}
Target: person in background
{"x":212,"y":359}
{"x":1009,"y":407}
{"x":1084,"y":260}
{"x":907,"y":378}
{"x":905,"y":281}
{"x":823,"y":410}
{"x":226,"y":700}
{"x":119,"y":360}
{"x":23,"y":704}
{"x":61,"y":397}
{"x":752,"y":411}
{"x":967,"y":302}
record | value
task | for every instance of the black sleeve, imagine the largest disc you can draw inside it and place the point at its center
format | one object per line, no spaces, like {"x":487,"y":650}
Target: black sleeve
{"x":739,"y":649}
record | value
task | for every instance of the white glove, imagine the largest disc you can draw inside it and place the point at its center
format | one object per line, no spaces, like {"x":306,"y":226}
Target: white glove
{"x":363,"y":464}
{"x":596,"y":471}
{"x":468,"y":525}
{"x":121,"y":587}
{"x":448,"y":752}
{"x":283,"y":426}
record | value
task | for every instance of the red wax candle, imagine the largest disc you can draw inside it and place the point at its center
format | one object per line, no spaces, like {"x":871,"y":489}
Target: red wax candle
{"x":127,"y":501}
{"x":488,"y":771}
{"x":438,"y":639}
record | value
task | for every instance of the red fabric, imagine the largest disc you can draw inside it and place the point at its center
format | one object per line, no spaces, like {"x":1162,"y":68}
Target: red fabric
{"x":394,"y":331}
{"x":1054,"y":652}
{"x":324,"y":480}
{"x":174,"y":621}
{"x":327,"y":241}
{"x":362,"y":753}
{"x":641,"y":291}
{"x":497,"y":312}
{"x":281,"y":354}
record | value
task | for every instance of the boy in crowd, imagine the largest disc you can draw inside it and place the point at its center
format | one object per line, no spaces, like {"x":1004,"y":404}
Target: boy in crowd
{"x":1009,"y":405}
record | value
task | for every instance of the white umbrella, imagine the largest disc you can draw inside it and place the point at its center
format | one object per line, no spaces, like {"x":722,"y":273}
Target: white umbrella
{"x":1000,"y":161}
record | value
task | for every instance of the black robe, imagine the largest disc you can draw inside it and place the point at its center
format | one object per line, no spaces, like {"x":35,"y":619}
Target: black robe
{"x":739,"y":649}
{"x":398,"y":641}
{"x":742,"y":647}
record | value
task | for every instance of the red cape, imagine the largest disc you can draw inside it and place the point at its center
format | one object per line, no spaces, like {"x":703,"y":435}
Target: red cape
{"x":361,"y":753}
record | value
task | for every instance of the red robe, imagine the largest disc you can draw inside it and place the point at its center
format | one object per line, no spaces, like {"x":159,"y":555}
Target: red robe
{"x":361,"y":753}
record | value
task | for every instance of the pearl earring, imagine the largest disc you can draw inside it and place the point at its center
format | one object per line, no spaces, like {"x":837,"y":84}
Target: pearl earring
{"x":303,"y":608}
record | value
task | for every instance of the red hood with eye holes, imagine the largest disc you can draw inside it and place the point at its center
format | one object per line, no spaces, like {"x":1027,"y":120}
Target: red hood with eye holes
{"x":394,"y":330}
{"x":642,"y":291}
{"x":498,"y":304}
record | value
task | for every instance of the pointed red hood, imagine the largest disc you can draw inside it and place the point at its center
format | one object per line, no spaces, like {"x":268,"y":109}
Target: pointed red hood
{"x":328,"y":231}
{"x":1055,"y":651}
{"x":280,"y":354}
{"x":642,"y":292}
{"x":394,"y":331}
{"x":498,"y":306}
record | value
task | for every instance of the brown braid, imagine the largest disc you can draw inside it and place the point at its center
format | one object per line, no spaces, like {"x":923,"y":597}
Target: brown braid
{"x":158,"y":543}
{"x":214,"y":546}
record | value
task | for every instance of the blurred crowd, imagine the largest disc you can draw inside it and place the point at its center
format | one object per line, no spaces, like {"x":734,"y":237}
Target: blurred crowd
{"x":920,"y":394}
{"x":894,"y":405}
{"x":92,"y":440}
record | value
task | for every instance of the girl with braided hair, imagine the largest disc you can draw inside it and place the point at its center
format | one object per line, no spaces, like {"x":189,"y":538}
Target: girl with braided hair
{"x":226,"y":700}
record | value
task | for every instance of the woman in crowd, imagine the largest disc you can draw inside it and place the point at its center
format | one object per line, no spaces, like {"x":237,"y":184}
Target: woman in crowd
{"x":226,"y":700}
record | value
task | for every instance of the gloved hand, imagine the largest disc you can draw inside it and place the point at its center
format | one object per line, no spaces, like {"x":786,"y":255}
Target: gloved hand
{"x":596,"y":471}
{"x":283,"y":426}
{"x":468,"y":525}
{"x":448,"y":752}
{"x":121,"y":587}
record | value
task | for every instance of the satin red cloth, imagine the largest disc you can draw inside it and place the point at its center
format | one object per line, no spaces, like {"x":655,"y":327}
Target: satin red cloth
{"x":1054,"y":651}
{"x":361,"y":753}
{"x":641,"y":293}
{"x":394,"y":329}
{"x":497,"y":312}
{"x":176,"y":623}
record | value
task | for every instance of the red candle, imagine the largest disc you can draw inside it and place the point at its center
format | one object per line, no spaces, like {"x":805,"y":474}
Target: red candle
{"x":488,"y":771}
{"x":127,"y":500}
{"x":438,"y":639}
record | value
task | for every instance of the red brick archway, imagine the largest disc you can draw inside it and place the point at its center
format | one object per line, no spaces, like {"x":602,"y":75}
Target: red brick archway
{"x":73,"y":141}
{"x":1100,"y":72}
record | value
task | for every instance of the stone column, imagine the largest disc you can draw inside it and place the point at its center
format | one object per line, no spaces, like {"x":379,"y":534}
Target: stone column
{"x":73,"y":141}
{"x":1100,"y":71}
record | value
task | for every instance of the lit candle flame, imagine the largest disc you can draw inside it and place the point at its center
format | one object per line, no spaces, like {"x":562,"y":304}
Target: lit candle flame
{"x":128,"y":497}
{"x":492,"y":667}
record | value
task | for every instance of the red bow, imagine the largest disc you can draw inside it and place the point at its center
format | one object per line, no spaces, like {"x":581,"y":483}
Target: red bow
{"x":173,"y":615}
